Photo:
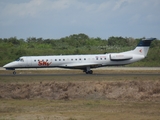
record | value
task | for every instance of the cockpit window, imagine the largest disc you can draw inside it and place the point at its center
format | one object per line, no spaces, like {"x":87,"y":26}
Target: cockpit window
{"x":20,"y":59}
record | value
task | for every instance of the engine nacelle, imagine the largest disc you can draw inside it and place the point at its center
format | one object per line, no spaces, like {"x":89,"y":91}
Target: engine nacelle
{"x":120,"y":57}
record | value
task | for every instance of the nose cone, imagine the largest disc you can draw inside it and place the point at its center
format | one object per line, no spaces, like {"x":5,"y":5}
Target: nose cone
{"x":10,"y":66}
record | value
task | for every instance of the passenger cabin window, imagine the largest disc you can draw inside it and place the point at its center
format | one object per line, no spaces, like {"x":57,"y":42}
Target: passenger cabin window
{"x":34,"y":60}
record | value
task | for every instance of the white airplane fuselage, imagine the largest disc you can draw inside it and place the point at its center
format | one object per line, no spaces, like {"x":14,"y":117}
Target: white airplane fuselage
{"x":72,"y":61}
{"x":84,"y":62}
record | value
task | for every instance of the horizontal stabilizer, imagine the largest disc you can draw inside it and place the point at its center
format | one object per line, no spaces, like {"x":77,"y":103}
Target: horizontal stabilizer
{"x":145,"y":42}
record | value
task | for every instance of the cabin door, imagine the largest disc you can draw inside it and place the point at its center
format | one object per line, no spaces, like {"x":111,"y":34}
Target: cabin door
{"x":28,"y":61}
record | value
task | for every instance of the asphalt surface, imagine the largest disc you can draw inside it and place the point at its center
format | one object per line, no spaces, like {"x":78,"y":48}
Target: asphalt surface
{"x":83,"y":74}
{"x":101,"y":68}
{"x":94,"y":74}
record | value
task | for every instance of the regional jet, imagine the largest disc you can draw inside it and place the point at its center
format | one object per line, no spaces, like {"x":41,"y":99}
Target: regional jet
{"x":83,"y":62}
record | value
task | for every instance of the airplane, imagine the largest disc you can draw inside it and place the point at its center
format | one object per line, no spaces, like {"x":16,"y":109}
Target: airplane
{"x":83,"y":62}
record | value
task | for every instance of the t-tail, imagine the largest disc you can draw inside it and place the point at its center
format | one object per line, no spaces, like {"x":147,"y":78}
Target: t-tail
{"x":142,"y":47}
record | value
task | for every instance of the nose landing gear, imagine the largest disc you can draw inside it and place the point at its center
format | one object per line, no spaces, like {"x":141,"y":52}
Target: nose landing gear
{"x":14,"y":72}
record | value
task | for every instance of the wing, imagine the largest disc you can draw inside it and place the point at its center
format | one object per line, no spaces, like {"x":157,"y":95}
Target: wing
{"x":80,"y":65}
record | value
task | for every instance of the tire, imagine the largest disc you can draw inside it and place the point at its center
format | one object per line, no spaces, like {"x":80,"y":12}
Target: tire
{"x":14,"y":72}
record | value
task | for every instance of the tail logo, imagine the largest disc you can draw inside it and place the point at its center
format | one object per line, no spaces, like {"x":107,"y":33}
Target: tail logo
{"x":140,"y":50}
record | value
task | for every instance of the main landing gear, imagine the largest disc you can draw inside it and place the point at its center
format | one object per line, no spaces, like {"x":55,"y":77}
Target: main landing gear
{"x":88,"y":71}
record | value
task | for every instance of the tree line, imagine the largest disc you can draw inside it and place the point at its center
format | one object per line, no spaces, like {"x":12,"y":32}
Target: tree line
{"x":12,"y":48}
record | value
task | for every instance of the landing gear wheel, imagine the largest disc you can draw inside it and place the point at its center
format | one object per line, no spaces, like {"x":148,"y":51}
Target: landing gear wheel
{"x":89,"y":72}
{"x":14,"y":72}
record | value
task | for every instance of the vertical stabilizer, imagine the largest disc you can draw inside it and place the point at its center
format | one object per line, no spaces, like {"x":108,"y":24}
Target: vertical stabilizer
{"x":143,"y":47}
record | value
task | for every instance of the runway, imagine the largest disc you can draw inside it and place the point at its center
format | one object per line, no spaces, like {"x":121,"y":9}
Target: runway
{"x":123,"y":71}
{"x":83,"y":74}
{"x":101,"y":68}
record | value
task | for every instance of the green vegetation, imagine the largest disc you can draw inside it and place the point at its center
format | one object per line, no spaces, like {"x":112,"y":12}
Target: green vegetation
{"x":77,"y":110}
{"x":12,"y":48}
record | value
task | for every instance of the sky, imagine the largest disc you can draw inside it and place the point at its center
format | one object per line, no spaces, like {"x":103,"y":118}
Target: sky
{"x":55,"y":19}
